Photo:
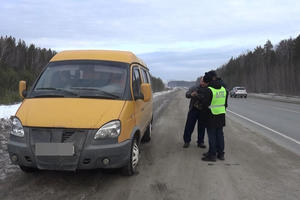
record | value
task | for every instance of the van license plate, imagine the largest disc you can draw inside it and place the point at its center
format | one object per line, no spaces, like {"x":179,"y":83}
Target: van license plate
{"x":54,"y":149}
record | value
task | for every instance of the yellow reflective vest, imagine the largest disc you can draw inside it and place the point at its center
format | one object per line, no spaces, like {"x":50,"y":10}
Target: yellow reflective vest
{"x":218,"y":101}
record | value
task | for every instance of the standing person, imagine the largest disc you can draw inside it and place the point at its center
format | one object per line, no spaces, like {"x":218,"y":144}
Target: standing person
{"x":216,"y":98}
{"x":197,"y":113}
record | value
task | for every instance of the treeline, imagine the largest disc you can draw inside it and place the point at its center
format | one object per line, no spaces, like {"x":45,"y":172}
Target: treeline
{"x":266,"y":69}
{"x":157,"y":84}
{"x":19,"y":62}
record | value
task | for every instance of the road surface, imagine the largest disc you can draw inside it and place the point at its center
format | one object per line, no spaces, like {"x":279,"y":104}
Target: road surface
{"x":277,"y":120}
{"x":255,"y":168}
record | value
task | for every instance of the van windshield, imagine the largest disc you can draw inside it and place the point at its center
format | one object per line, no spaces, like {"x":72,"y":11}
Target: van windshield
{"x":86,"y":79}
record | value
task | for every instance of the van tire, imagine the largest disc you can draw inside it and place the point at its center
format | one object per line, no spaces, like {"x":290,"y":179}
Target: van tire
{"x":28,"y":169}
{"x":131,"y":167}
{"x":147,"y":136}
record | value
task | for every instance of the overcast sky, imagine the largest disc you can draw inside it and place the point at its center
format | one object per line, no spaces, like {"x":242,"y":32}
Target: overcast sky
{"x":178,"y":39}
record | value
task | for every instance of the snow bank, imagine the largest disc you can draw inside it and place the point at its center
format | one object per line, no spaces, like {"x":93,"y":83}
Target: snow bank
{"x":8,"y":110}
{"x":161,"y":93}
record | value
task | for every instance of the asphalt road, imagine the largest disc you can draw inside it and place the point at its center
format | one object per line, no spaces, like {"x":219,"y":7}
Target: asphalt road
{"x":255,"y":168}
{"x":276,"y":120}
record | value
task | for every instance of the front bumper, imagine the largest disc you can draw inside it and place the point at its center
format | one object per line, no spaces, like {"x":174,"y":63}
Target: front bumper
{"x":89,"y":153}
{"x":240,"y":94}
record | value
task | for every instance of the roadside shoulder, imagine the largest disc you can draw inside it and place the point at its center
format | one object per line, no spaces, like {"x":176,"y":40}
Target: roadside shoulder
{"x":276,"y":97}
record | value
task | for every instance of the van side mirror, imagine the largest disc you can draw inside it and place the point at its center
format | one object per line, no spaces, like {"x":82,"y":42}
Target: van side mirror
{"x":22,"y":89}
{"x":146,"y":91}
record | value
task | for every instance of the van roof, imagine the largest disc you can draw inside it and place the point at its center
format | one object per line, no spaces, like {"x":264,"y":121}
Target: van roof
{"x":109,"y":55}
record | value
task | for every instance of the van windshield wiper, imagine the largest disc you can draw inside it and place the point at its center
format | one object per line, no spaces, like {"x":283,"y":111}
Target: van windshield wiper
{"x":56,"y":89}
{"x":95,"y":89}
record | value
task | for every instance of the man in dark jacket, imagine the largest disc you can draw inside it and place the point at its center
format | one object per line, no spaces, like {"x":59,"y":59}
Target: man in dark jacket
{"x":196,"y":113}
{"x":215,"y":97}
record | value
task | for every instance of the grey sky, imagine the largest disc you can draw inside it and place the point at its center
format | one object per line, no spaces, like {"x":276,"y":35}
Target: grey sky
{"x":177,"y":39}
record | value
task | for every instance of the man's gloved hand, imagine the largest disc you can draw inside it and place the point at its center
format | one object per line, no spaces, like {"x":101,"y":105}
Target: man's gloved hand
{"x":194,"y":94}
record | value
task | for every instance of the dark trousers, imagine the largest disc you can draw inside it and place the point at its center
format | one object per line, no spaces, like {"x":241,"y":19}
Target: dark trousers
{"x":215,"y":140}
{"x":192,"y":118}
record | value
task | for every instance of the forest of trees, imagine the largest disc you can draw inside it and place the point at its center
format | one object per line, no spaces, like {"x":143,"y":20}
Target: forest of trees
{"x":21,"y":62}
{"x":266,"y":69}
{"x":157,"y":84}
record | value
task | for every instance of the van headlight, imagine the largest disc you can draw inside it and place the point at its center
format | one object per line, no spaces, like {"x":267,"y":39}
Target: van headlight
{"x":110,"y":130}
{"x":17,"y":128}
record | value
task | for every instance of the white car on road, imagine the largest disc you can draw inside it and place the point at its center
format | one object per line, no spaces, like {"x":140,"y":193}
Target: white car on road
{"x":238,"y":92}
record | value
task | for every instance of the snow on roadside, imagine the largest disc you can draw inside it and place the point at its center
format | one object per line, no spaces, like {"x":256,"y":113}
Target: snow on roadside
{"x":8,"y":110}
{"x":5,"y":165}
{"x":162,"y":93}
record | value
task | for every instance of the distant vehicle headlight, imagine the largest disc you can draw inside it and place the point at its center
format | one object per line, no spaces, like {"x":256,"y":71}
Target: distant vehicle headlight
{"x":110,"y":130}
{"x":17,"y":128}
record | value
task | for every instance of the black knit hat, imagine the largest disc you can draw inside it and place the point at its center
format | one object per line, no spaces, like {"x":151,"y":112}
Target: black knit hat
{"x":213,"y":73}
{"x":207,"y":77}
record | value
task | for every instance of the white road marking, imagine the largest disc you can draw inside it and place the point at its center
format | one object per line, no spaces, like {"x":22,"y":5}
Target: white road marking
{"x":261,"y":125}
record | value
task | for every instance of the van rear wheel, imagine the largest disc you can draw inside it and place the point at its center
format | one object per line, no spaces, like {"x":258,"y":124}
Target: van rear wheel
{"x":131,"y":167}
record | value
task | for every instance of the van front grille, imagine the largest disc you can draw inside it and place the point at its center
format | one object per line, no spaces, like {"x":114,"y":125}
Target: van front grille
{"x":66,"y":135}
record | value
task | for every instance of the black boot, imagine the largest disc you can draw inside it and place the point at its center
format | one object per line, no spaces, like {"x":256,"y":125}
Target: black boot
{"x":221,"y":156}
{"x":201,"y":145}
{"x":209,"y":158}
{"x":186,"y":145}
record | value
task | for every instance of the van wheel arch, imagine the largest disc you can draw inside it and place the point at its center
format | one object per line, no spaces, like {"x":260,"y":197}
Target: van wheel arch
{"x":137,"y":136}
{"x":147,"y":135}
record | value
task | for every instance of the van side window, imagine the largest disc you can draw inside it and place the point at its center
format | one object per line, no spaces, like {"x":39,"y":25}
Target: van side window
{"x":149,"y":77}
{"x":136,"y":82}
{"x":145,"y":77}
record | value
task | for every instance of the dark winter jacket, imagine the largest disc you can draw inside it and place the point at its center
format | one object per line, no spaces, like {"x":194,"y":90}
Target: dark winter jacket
{"x":188,"y":95}
{"x":222,"y":83}
{"x":205,"y":97}
{"x":196,"y":104}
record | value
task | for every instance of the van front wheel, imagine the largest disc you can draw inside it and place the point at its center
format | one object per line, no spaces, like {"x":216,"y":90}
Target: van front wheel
{"x":131,"y":167}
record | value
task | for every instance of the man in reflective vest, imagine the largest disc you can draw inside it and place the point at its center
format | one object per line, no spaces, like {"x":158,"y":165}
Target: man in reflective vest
{"x":215,"y":97}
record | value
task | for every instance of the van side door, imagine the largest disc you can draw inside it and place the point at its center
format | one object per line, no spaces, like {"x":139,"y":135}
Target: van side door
{"x":138,"y":97}
{"x":148,"y":105}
